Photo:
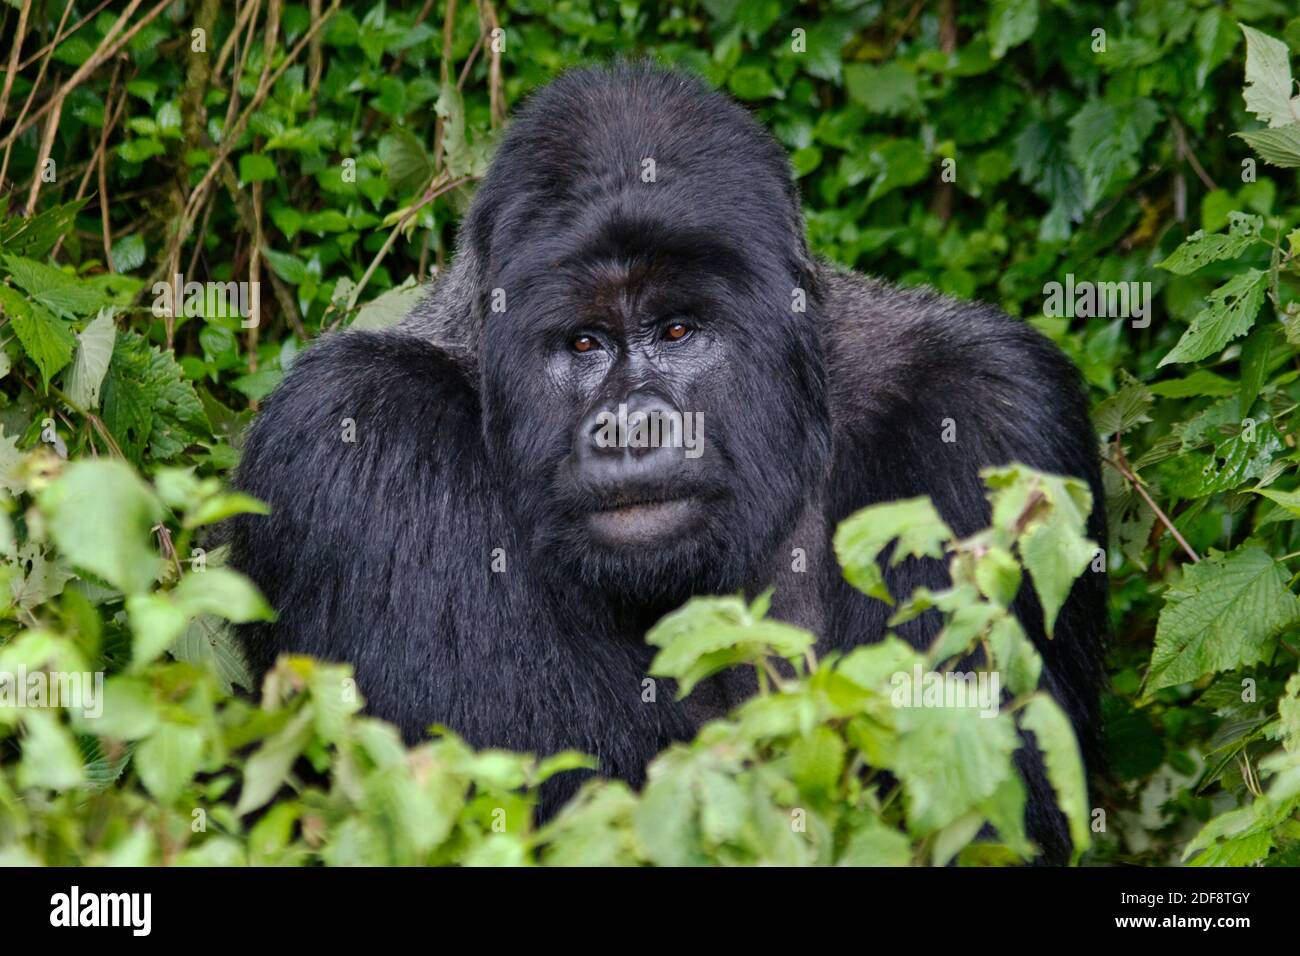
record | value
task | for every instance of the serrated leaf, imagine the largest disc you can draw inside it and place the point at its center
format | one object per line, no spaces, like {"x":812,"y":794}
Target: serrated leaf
{"x":128,"y":253}
{"x":1230,"y":313}
{"x":1105,"y":136}
{"x":1225,"y":613}
{"x":47,"y":340}
{"x":949,"y":759}
{"x":1201,"y":247}
{"x":59,"y":292}
{"x":36,"y":236}
{"x":1278,"y":147}
{"x":1268,"y":80}
{"x":266,"y":770}
{"x":406,"y":163}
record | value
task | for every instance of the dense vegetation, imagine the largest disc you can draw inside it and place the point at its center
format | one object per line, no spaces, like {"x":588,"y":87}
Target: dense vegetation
{"x":325,"y":151}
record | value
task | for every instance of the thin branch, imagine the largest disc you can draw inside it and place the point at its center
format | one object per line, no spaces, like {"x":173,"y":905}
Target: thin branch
{"x":1120,"y":464}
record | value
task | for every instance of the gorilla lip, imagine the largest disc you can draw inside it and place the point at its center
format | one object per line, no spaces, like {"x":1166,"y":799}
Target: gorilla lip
{"x":642,"y":522}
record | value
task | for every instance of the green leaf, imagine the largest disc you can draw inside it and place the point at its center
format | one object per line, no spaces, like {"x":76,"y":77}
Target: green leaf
{"x":128,"y":253}
{"x":861,"y":538}
{"x":1044,"y":718}
{"x":168,"y":760}
{"x":1201,"y":247}
{"x":1124,"y":410}
{"x":1106,"y":137}
{"x":890,"y":90}
{"x":256,"y":168}
{"x":50,"y":758}
{"x":148,"y":403}
{"x":224,"y":593}
{"x":47,"y":340}
{"x":287,"y":266}
{"x":94,"y":352}
{"x":267,"y":769}
{"x":1279,"y":147}
{"x":36,"y":236}
{"x":389,"y":308}
{"x":156,"y":622}
{"x":1011,"y":23}
{"x":100,"y":515}
{"x":1230,"y":312}
{"x":949,"y":759}
{"x":1268,"y":80}
{"x":753,"y":83}
{"x":711,"y":633}
{"x":1225,"y":613}
{"x":59,"y":292}
{"x":406,"y":164}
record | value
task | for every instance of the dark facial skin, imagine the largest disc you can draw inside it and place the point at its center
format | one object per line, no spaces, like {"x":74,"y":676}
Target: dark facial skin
{"x":661,"y":334}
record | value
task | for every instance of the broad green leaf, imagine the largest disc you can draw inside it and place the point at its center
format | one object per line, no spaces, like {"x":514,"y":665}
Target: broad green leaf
{"x":47,"y":340}
{"x":1105,"y":137}
{"x":1268,"y":80}
{"x":950,"y":759}
{"x":36,"y":236}
{"x":1201,"y":247}
{"x":1049,"y":514}
{"x":389,"y":308}
{"x":100,"y":515}
{"x":50,"y":758}
{"x":59,"y":292}
{"x":406,"y":163}
{"x":266,"y":770}
{"x":890,"y":90}
{"x":128,"y":253}
{"x":90,"y":364}
{"x":1230,"y":313}
{"x":256,"y":168}
{"x":1225,"y":613}
{"x":1279,"y":147}
{"x":168,"y":760}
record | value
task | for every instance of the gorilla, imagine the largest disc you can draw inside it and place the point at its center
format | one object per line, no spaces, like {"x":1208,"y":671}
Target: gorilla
{"x":459,"y":507}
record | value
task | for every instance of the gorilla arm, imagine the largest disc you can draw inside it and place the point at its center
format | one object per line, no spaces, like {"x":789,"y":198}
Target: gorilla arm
{"x":926,"y":391}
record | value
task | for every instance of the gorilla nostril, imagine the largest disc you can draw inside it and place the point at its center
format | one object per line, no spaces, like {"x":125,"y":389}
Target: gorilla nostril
{"x":641,"y":428}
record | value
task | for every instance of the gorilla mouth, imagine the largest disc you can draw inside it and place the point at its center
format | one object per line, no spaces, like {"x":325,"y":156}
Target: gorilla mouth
{"x":642,"y":523}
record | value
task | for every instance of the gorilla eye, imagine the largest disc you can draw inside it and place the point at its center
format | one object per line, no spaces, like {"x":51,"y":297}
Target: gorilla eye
{"x":584,"y":343}
{"x":677,"y":331}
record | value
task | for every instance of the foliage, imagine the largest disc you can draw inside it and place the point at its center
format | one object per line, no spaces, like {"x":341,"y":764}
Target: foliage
{"x":991,"y":151}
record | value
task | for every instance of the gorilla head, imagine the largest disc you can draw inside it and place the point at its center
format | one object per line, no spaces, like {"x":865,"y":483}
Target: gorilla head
{"x":643,"y":267}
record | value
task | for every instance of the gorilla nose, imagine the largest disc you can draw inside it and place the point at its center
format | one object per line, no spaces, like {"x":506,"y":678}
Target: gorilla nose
{"x":638,"y":438}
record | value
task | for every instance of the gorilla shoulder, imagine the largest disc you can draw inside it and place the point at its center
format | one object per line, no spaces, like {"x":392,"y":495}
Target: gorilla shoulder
{"x":926,"y":390}
{"x":355,"y":456}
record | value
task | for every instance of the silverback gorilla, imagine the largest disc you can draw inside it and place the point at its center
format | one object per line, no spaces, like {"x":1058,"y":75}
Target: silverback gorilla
{"x":486,"y":562}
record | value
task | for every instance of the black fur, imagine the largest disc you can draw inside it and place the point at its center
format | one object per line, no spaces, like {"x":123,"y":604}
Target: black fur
{"x":468,"y":439}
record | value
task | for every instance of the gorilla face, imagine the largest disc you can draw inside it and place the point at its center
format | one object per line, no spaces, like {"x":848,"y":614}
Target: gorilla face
{"x":614,"y":306}
{"x":657,"y":404}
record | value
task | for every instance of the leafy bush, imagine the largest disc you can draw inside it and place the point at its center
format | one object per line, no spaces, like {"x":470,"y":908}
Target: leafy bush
{"x":1019,"y":153}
